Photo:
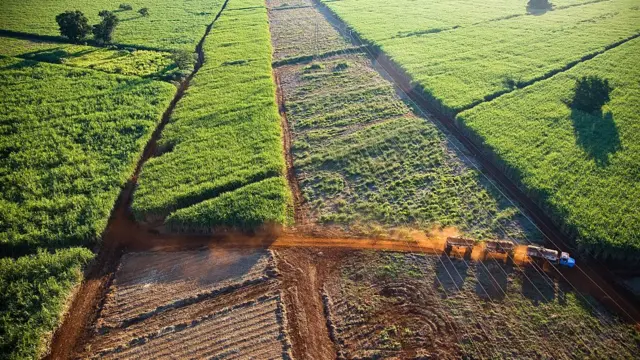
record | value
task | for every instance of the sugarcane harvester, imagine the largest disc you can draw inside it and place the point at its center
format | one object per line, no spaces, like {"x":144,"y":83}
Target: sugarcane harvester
{"x":508,"y":247}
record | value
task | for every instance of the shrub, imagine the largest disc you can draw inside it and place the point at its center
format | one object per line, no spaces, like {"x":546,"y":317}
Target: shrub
{"x":73,"y":25}
{"x":125,"y":7}
{"x":144,"y":12}
{"x":184,"y":59}
{"x":591,"y":92}
{"x":103,"y":31}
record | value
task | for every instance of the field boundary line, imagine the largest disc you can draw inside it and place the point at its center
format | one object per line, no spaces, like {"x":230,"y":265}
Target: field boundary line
{"x":305,"y":59}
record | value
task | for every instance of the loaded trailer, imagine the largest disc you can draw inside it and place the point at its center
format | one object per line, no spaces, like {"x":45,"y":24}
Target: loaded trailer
{"x":508,"y":247}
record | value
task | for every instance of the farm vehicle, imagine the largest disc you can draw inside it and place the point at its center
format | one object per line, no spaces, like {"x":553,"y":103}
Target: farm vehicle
{"x":508,"y":247}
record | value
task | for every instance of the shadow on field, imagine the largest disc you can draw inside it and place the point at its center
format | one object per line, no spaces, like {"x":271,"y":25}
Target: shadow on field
{"x":450,"y":274}
{"x":55,"y":56}
{"x":537,"y":287}
{"x":597,"y":134}
{"x":493,"y":279}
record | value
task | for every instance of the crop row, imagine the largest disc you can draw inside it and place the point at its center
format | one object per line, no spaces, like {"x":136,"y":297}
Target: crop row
{"x":146,"y":63}
{"x":462,"y":67}
{"x":583,"y":167}
{"x":170,"y":25}
{"x":222,"y":163}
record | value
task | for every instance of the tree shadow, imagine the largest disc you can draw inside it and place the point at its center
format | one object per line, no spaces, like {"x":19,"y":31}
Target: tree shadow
{"x":597,"y":134}
{"x":55,"y":56}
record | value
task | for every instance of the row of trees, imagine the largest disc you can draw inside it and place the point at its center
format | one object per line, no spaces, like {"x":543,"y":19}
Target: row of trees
{"x":74,"y":25}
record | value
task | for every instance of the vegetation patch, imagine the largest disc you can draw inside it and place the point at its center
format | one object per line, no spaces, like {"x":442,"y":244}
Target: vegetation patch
{"x":34,"y":292}
{"x":145,"y":63}
{"x":362,"y":157}
{"x":70,"y":139}
{"x":581,"y":166}
{"x":225,"y":134}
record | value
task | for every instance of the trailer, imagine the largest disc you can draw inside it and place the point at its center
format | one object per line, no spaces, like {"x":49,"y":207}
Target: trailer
{"x":460,"y":242}
{"x":499,"y":246}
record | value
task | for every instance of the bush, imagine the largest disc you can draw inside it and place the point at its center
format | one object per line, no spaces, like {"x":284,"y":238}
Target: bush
{"x":125,"y":7}
{"x":591,"y":93}
{"x":103,"y":31}
{"x":184,"y":59}
{"x":144,"y":11}
{"x":73,"y":25}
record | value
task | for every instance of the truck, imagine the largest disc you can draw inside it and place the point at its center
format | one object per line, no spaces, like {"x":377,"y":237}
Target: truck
{"x":552,"y":256}
{"x":508,"y":247}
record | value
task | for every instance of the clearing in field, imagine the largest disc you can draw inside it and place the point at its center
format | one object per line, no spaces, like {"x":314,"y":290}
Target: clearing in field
{"x":391,"y":305}
{"x":207,"y":303}
{"x":365,"y":161}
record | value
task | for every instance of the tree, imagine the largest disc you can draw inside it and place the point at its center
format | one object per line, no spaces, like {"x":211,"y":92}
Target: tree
{"x":125,"y":7}
{"x":73,"y":25}
{"x":144,"y":11}
{"x":591,"y":93}
{"x":103,"y":31}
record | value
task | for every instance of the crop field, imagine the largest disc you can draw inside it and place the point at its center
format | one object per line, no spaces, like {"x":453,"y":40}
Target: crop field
{"x":145,"y":63}
{"x":379,"y":20}
{"x":279,"y":179}
{"x":365,"y":161}
{"x":223,"y":147}
{"x":299,"y":30}
{"x":146,"y":282}
{"x":586,"y":182}
{"x":587,"y":165}
{"x":70,"y":140}
{"x":34,"y":292}
{"x":170,"y":25}
{"x":207,"y":303}
{"x":387,"y":305}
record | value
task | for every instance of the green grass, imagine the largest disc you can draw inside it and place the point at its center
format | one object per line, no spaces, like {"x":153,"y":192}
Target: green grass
{"x":462,"y":67}
{"x":170,"y":25}
{"x":363,"y":160}
{"x":583,"y":167}
{"x":34,"y":292}
{"x":69,"y":140}
{"x":152,"y":64}
{"x":224,"y":134}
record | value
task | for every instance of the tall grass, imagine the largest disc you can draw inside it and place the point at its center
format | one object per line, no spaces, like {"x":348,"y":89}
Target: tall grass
{"x":584,"y":168}
{"x":70,"y":139}
{"x":33,"y":293}
{"x":224,"y":134}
